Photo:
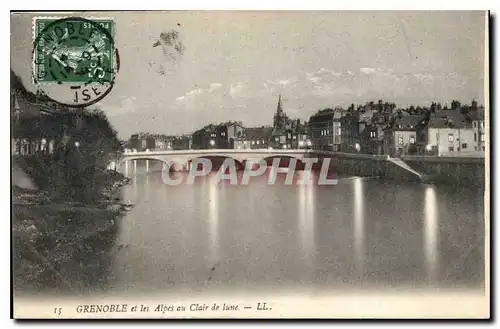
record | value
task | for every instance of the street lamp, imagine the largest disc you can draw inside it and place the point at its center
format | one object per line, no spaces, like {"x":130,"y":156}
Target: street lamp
{"x":43,"y":144}
{"x":309,"y":143}
{"x":428,"y":147}
{"x":357,"y":146}
{"x":212,"y":142}
{"x":301,"y":143}
{"x":77,"y":144}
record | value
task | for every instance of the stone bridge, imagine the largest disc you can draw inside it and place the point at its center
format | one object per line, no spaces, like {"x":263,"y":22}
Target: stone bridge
{"x":347,"y":163}
{"x":241,"y":156}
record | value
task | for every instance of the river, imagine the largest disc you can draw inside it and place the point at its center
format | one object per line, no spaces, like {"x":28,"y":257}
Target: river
{"x":362,"y":233}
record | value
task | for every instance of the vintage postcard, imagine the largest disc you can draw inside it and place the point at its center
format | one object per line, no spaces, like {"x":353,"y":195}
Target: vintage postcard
{"x":250,"y":164}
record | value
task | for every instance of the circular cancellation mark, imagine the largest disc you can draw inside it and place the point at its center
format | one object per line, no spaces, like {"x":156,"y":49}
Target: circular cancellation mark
{"x":75,"y":61}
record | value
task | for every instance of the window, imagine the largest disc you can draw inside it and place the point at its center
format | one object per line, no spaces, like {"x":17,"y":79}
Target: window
{"x":481,"y":124}
{"x":294,"y":137}
{"x":464,"y":145}
{"x":339,"y":132}
{"x":400,"y":139}
{"x":450,"y":149}
{"x":253,"y":142}
{"x":258,"y":142}
{"x":412,"y":140}
{"x":475,"y":137}
{"x":482,"y":137}
{"x":474,"y":124}
{"x":450,"y":138}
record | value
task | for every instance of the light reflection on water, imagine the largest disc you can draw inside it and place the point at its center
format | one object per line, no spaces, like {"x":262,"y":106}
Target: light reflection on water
{"x":431,"y":232}
{"x":361,"y":233}
{"x":359,"y":218}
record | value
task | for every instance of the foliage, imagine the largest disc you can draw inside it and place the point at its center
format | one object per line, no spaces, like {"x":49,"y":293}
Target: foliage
{"x":71,"y":171}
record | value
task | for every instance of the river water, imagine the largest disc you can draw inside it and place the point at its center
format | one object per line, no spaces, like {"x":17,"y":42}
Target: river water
{"x":361,"y":233}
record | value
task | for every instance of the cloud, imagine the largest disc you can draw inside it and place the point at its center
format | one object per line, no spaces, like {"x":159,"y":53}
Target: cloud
{"x":313,"y":78}
{"x":323,"y":75}
{"x":199,"y":91}
{"x":235,"y":89}
{"x":372,"y":83}
{"x":424,"y":77}
{"x":281,"y":83}
{"x":194,"y":92}
{"x":367,"y":70}
{"x":214,"y":86}
{"x":126,"y":105}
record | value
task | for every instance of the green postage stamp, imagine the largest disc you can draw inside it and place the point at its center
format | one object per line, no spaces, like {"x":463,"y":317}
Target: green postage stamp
{"x":74,"y":49}
{"x":74,"y":58}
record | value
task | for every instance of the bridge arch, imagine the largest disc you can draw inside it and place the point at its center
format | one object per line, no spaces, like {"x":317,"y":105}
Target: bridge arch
{"x":218,"y":159}
{"x":170,"y":162}
{"x":285,"y":159}
{"x":241,"y":157}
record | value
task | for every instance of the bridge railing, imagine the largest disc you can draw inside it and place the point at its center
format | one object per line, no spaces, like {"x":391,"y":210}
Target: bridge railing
{"x":212,"y":151}
{"x":258,"y":151}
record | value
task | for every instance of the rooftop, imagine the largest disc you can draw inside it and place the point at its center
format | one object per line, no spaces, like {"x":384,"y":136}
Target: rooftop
{"x":449,"y":119}
{"x":477,"y":115}
{"x":259,"y":132}
{"x":407,"y":122}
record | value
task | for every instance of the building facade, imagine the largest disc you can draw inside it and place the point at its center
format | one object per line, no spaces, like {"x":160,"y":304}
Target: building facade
{"x":372,"y":140}
{"x":325,"y":129}
{"x":352,"y":125}
{"x":221,"y":136}
{"x":204,"y":138}
{"x":258,"y":137}
{"x":478,"y":124}
{"x":401,"y":137}
{"x":181,"y":142}
{"x":451,"y":133}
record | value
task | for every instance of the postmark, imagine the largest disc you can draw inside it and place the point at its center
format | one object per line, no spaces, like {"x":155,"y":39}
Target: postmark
{"x":75,"y":60}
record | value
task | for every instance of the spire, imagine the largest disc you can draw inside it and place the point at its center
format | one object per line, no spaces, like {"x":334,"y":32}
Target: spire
{"x":280,"y":110}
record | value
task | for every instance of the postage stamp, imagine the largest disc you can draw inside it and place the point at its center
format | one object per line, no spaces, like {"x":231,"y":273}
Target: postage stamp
{"x":74,"y":59}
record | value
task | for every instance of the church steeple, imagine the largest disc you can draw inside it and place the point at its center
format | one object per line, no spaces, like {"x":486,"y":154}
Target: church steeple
{"x":279,"y":110}
{"x":278,"y":116}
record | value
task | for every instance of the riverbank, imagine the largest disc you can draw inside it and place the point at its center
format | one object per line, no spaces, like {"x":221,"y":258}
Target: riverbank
{"x":53,"y":238}
{"x":426,"y":169}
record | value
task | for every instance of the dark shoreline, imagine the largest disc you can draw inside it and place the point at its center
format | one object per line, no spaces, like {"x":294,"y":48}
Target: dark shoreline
{"x":55,"y":242}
